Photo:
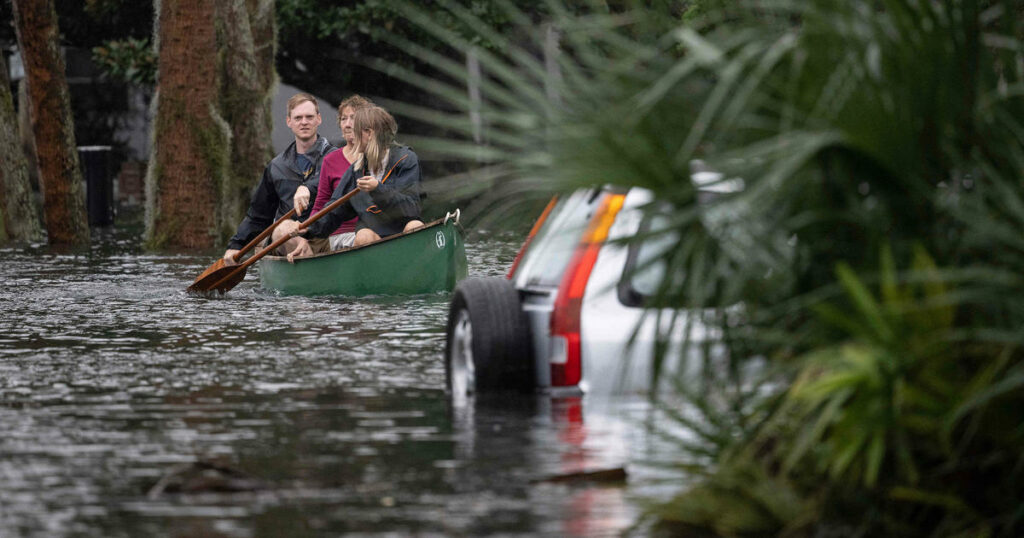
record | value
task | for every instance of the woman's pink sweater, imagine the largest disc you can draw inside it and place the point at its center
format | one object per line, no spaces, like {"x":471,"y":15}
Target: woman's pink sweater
{"x":331,"y":170}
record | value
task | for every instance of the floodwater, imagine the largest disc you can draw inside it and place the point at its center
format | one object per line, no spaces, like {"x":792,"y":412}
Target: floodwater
{"x":317,"y":416}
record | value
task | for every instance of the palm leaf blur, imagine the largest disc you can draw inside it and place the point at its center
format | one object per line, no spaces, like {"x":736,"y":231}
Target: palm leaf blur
{"x":865,"y":281}
{"x":858,"y":401}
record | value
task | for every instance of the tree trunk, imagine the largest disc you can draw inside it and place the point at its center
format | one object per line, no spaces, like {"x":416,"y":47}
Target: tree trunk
{"x":191,"y":149}
{"x":264,"y":37}
{"x":28,"y":142}
{"x":18,"y":218}
{"x":246,"y":95}
{"x":52,"y":124}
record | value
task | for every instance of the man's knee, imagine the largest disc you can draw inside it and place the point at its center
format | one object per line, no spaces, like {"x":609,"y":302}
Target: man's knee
{"x":412,"y":225}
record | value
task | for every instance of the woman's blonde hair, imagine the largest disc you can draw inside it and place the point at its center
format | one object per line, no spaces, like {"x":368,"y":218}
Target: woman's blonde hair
{"x":384,"y":130}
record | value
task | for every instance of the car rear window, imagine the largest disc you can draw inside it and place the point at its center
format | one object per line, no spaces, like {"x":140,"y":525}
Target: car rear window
{"x":550,"y":252}
{"x":645,"y":269}
{"x":648,"y":269}
{"x":644,"y":274}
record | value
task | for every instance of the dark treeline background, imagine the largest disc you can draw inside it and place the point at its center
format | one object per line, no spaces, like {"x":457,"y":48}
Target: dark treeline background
{"x":330,"y":50}
{"x":326,"y":49}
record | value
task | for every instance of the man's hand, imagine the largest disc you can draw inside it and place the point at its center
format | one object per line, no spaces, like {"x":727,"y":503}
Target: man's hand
{"x":303,"y":249}
{"x":367,"y":183}
{"x":301,"y":199}
{"x":229,"y":256}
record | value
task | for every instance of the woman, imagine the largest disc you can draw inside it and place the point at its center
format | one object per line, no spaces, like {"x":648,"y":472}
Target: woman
{"x":388,"y":178}
{"x":334,"y":166}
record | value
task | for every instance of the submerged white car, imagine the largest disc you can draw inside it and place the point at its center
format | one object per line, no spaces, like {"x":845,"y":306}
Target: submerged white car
{"x":570,"y":317}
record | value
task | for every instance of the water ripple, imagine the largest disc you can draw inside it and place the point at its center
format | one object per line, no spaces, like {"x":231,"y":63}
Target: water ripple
{"x":111,"y":376}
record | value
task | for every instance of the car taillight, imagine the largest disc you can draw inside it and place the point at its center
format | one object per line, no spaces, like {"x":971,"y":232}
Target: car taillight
{"x":533,"y":231}
{"x":566,"y":367}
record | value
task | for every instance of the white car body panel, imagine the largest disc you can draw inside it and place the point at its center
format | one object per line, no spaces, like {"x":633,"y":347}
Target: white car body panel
{"x":617,"y":340}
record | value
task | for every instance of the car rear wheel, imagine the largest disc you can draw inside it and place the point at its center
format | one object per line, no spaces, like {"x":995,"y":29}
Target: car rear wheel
{"x":488,"y":346}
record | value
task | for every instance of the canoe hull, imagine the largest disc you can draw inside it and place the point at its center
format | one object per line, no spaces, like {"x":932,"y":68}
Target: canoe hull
{"x":428,"y":260}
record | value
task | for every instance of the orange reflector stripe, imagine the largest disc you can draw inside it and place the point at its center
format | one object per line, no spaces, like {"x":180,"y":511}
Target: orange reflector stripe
{"x":602,"y":221}
{"x":590,"y":245}
{"x":565,"y":317}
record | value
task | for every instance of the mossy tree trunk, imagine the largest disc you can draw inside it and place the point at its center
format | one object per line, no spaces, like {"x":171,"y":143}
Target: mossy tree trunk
{"x":28,"y":143}
{"x":52,"y":124}
{"x":213,"y":122}
{"x":246,"y":37}
{"x":18,"y":218}
{"x":189,"y":162}
{"x":264,"y":37}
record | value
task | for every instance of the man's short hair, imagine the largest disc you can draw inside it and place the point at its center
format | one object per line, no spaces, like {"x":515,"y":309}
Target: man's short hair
{"x":300,"y":98}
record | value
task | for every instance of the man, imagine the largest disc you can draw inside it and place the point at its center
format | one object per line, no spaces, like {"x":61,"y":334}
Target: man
{"x":289,"y":179}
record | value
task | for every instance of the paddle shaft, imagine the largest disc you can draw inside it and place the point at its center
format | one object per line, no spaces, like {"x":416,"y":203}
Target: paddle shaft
{"x":263,"y":235}
{"x":282,"y":240}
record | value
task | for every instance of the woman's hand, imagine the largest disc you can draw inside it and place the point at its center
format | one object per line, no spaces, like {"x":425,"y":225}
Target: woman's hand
{"x":367,"y":183}
{"x":301,"y":199}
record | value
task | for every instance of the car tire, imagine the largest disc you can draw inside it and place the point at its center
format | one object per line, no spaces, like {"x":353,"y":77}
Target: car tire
{"x":488,"y":345}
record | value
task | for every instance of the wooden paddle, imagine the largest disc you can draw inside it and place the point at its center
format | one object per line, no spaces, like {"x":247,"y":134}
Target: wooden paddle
{"x":214,"y":272}
{"x":224,"y":278}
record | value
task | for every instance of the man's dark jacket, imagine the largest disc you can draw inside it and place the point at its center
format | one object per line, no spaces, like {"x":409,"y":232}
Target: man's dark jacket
{"x":274,"y":195}
{"x":385,"y":209}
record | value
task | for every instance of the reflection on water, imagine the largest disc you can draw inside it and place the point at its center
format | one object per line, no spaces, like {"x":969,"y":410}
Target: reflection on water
{"x":111,"y":376}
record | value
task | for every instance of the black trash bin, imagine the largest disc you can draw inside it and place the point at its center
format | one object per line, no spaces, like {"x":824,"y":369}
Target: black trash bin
{"x":99,"y":184}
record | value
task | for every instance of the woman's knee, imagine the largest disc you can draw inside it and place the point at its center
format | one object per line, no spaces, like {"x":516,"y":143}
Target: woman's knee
{"x":365,"y":236}
{"x":412,"y":225}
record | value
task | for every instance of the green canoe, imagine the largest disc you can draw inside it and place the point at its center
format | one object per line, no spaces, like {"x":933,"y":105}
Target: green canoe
{"x":430,"y":259}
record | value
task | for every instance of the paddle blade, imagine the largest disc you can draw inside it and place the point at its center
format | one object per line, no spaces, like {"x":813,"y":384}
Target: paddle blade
{"x":213,"y":275}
